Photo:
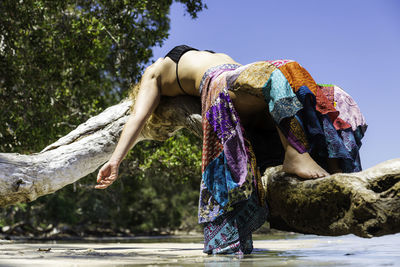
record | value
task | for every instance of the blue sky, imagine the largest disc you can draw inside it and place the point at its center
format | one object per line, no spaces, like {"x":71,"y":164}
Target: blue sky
{"x":352,"y":43}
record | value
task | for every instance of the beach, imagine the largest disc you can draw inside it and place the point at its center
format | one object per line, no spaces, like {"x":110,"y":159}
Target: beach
{"x":282,"y":250}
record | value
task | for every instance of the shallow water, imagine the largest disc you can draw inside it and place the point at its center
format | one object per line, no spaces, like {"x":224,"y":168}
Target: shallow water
{"x":271,"y":250}
{"x":310,"y":250}
{"x":339,"y":251}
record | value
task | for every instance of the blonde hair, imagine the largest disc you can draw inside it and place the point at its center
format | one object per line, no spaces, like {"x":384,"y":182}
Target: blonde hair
{"x":134,"y":90}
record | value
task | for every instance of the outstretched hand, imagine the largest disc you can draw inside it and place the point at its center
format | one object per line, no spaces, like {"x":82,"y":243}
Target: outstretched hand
{"x":107,"y":175}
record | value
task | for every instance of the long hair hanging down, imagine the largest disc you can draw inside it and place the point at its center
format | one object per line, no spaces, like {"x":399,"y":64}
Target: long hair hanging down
{"x":133,"y":92}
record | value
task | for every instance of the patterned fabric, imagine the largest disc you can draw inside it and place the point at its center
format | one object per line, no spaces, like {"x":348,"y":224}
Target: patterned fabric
{"x":229,"y":173}
{"x":350,"y":126}
{"x":254,"y":76}
{"x":279,"y":62}
{"x":322,"y":120}
{"x":349,"y":110}
{"x":297,"y":76}
{"x":231,"y":233}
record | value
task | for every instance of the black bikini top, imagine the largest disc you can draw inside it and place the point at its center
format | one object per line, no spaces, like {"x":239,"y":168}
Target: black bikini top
{"x":176,"y":53}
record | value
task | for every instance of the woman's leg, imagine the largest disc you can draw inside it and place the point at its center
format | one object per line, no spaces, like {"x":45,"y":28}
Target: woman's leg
{"x":300,"y":164}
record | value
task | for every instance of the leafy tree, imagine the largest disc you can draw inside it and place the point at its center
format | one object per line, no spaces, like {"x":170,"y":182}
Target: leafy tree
{"x":60,"y":63}
{"x":157,"y":191}
{"x":63,"y":61}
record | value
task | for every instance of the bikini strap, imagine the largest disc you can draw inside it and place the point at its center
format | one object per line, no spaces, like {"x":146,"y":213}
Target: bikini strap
{"x":175,"y":54}
{"x":179,"y":83}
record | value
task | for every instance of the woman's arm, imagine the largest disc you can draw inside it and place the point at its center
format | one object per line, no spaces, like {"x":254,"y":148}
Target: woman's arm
{"x":146,"y":102}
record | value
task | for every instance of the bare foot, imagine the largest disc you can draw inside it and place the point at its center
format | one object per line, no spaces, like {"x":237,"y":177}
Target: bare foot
{"x":302,"y":165}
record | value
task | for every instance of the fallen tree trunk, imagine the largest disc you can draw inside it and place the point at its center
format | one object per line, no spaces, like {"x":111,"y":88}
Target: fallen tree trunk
{"x":24,"y":178}
{"x":365,"y":203}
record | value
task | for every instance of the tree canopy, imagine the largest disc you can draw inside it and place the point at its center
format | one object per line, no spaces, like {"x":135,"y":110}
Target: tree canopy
{"x":62,"y":62}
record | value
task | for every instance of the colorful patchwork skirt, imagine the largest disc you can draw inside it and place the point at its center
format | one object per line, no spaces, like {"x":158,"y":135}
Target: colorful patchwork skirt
{"x":322,"y":120}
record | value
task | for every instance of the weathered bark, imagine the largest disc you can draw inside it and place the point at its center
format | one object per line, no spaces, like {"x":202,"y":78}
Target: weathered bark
{"x":366,"y":203}
{"x":24,"y":178}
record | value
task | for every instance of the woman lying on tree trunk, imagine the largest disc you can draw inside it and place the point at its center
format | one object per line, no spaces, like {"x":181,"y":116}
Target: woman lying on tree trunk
{"x":272,"y":111}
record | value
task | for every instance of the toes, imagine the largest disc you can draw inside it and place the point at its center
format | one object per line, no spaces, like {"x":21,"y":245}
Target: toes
{"x":318,"y":175}
{"x":323,"y":174}
{"x":308,"y":175}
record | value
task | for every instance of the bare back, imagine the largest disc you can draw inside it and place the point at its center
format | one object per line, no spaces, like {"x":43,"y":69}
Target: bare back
{"x":192,"y":66}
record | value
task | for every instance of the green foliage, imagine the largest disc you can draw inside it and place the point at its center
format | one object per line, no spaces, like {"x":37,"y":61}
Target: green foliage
{"x":166,"y":183}
{"x":157,"y":190}
{"x":62,"y":62}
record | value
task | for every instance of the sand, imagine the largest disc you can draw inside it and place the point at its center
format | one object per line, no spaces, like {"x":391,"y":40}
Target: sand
{"x":303,"y":251}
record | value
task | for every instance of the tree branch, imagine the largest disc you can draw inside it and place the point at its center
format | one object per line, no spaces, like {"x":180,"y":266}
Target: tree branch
{"x":366,"y":203}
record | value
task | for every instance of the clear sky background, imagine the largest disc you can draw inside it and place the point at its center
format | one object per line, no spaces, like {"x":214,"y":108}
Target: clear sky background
{"x":351,"y":43}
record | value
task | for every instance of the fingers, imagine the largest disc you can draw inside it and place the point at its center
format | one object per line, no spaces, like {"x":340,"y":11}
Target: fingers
{"x":102,"y":173}
{"x":106,"y":176}
{"x":99,"y":177}
{"x":103,"y":184}
{"x":100,"y":187}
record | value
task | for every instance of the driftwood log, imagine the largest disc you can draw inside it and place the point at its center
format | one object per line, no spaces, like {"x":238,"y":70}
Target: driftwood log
{"x":366,"y":204}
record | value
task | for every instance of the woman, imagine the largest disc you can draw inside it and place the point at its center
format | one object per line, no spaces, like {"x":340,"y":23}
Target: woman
{"x":257,"y":103}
